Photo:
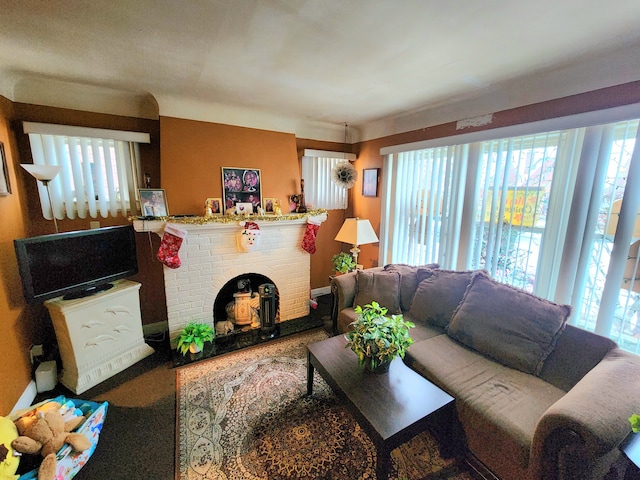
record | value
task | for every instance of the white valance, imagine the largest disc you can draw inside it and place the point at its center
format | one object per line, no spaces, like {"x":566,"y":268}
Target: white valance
{"x":85,"y":132}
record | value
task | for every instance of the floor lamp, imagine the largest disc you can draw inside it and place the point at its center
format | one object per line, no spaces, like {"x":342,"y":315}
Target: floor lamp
{"x":44,"y":173}
{"x":356,"y":231}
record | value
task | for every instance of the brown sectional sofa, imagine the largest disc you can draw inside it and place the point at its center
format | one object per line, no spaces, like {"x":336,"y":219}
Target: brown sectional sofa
{"x":535,"y":398}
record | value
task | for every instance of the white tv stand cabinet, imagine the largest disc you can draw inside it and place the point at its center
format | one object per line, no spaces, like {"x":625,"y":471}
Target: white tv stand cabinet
{"x":98,"y":336}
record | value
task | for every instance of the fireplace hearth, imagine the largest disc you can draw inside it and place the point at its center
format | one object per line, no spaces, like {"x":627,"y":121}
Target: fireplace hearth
{"x":320,"y":317}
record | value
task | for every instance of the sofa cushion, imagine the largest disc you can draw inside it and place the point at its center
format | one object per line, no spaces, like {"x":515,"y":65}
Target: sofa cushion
{"x":438,"y":294}
{"x":408,"y":280}
{"x":509,"y":325}
{"x":576,"y":353}
{"x":499,"y":407}
{"x":379,"y":286}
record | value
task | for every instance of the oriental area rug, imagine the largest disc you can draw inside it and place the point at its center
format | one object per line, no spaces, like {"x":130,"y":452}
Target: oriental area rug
{"x":246,"y":415}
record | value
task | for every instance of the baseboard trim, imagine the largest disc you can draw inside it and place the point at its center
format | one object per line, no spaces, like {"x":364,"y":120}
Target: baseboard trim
{"x":155,"y":328}
{"x":321,"y":291}
{"x":27,"y":397}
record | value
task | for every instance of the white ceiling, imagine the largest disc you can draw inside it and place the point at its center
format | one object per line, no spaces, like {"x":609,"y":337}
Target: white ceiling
{"x":378,"y":65}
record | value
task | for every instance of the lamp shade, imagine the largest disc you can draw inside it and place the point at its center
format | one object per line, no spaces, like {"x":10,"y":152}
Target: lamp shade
{"x":356,"y":231}
{"x":43,"y":173}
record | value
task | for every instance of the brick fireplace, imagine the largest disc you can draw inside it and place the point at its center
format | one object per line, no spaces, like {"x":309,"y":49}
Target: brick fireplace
{"x":210,"y":258}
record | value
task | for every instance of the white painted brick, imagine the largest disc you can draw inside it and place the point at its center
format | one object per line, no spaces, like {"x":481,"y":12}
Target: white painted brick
{"x":210,"y":258}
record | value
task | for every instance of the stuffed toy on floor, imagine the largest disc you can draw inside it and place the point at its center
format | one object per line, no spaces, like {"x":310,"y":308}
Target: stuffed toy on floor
{"x":44,"y":432}
{"x":8,"y":461}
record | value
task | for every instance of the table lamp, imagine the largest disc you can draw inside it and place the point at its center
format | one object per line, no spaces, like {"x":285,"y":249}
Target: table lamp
{"x":44,"y":173}
{"x":356,"y":231}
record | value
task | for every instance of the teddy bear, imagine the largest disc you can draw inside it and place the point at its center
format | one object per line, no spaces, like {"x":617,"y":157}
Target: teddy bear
{"x":8,"y":461}
{"x":45,"y":432}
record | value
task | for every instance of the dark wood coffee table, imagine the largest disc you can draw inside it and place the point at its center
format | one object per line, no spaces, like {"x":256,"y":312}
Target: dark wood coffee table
{"x":391,"y":407}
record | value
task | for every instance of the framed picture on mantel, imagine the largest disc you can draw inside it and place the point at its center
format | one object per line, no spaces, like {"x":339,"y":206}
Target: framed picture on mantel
{"x":241,"y":185}
{"x":153,"y":202}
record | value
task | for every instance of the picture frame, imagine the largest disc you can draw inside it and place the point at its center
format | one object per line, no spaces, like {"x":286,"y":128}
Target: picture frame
{"x":215,"y":204}
{"x":5,"y":187}
{"x":370,"y":182}
{"x":269,"y":204}
{"x":293,"y":202}
{"x":241,"y":185}
{"x":153,"y":202}
{"x":244,"y":208}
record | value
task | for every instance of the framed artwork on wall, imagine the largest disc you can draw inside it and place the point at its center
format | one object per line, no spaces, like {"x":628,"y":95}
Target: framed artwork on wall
{"x":370,"y":182}
{"x":241,"y":185}
{"x":153,"y":202}
{"x":5,"y":188}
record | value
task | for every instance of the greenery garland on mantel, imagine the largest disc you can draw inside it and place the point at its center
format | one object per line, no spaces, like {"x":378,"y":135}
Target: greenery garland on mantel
{"x":236,"y":218}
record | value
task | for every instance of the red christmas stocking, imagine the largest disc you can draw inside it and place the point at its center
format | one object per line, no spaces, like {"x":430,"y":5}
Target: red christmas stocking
{"x":309,"y":238}
{"x":170,"y":245}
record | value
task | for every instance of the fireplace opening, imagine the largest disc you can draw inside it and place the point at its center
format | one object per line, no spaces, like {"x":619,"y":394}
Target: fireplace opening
{"x":237,"y":305}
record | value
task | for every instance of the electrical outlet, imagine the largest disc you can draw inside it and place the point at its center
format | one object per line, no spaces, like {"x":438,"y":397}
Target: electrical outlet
{"x":36,"y":352}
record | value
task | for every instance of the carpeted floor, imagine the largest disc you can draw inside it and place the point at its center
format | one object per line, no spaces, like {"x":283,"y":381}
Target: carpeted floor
{"x":246,"y":416}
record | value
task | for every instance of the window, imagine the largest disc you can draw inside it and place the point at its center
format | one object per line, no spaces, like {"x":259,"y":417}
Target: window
{"x":547,"y":211}
{"x":99,"y":174}
{"x":320,"y":190}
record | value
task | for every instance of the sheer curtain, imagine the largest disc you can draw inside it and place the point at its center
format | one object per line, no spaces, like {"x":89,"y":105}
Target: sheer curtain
{"x":99,"y":169}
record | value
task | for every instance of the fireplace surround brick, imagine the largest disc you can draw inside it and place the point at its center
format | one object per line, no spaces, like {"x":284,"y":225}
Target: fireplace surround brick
{"x":210,"y":258}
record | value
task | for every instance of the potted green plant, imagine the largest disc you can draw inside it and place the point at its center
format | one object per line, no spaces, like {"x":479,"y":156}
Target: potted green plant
{"x":377,"y":338}
{"x":343,"y":262}
{"x":193,"y":336}
{"x":635,"y":422}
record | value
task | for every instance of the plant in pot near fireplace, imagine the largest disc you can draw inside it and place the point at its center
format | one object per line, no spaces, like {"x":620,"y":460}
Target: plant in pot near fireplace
{"x":343,"y":262}
{"x":193,"y":337}
{"x":377,"y":338}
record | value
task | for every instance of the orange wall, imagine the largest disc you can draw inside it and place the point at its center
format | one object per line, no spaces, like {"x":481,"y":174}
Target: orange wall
{"x":193,"y":153}
{"x":16,"y":327}
{"x":369,"y":151}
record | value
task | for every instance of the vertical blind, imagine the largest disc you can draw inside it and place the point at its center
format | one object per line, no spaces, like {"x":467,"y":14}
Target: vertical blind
{"x":553,"y":213}
{"x":422,"y":199}
{"x":320,"y":190}
{"x":98,"y":176}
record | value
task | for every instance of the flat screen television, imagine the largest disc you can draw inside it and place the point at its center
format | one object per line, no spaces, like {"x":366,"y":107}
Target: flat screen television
{"x":75,"y":264}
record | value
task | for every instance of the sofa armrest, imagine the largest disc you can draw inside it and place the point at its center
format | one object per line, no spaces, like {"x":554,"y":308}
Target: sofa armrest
{"x":343,"y":288}
{"x":591,"y":419}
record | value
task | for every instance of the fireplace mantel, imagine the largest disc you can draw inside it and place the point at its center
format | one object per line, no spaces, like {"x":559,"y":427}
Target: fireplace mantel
{"x":229,"y":222}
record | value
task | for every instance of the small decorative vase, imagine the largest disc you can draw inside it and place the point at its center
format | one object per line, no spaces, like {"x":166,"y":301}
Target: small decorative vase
{"x":193,"y":348}
{"x":381,"y":368}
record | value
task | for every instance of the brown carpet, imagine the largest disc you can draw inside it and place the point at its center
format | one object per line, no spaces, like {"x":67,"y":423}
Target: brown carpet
{"x":246,"y":416}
